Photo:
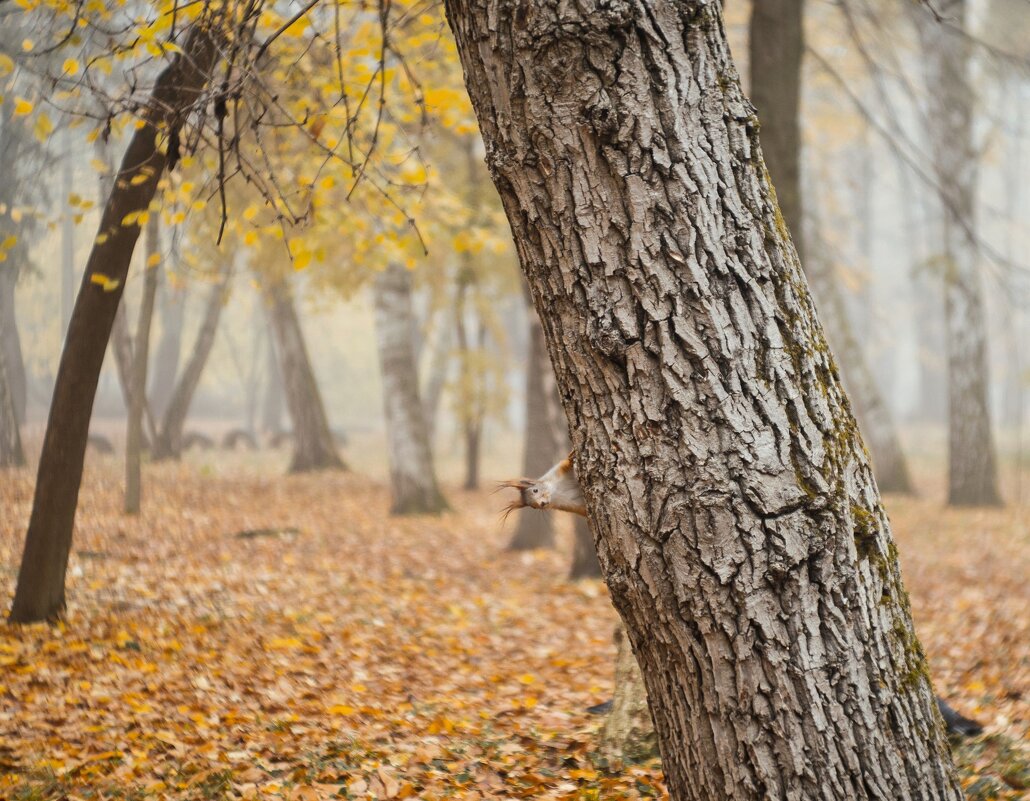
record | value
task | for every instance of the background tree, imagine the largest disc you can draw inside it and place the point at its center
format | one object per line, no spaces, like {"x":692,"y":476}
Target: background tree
{"x":313,"y":445}
{"x":972,"y":469}
{"x":412,"y":475}
{"x":711,"y":430}
{"x":141,"y":355}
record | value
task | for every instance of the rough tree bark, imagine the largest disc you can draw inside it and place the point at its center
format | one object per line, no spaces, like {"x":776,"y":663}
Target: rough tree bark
{"x":740,"y":530}
{"x":947,"y":61}
{"x":412,"y":475}
{"x":40,"y":590}
{"x":138,"y":376}
{"x":313,"y":445}
{"x":543,"y":436}
{"x":168,"y":442}
{"x":776,"y":51}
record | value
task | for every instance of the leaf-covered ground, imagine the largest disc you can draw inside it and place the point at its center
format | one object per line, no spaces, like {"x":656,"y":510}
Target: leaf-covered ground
{"x":334,"y":651}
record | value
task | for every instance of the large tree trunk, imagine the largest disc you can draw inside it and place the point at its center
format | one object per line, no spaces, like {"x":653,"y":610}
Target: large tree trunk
{"x":739,"y":525}
{"x":313,"y":445}
{"x":412,"y":475}
{"x":776,"y":49}
{"x":946,"y":57}
{"x":40,"y":591}
{"x":172,"y":302}
{"x":138,"y":377}
{"x":543,"y":436}
{"x":168,"y":443}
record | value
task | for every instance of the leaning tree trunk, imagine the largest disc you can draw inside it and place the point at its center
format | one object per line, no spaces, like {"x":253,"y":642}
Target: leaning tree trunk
{"x":412,"y":475}
{"x":40,"y":591}
{"x":168,"y":443}
{"x":543,"y":437}
{"x":739,"y":525}
{"x":138,"y":376}
{"x":776,"y":51}
{"x":313,"y":445}
{"x":946,"y":56}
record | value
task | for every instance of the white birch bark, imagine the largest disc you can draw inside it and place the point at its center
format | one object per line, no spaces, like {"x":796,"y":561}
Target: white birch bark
{"x":412,"y":475}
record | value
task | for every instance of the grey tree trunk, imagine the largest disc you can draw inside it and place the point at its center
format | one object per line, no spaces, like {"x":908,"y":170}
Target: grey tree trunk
{"x":313,"y":445}
{"x":272,"y":403}
{"x":412,"y":475}
{"x":39,"y":594}
{"x":172,"y":304}
{"x":584,"y":553}
{"x":740,"y":530}
{"x":11,"y":452}
{"x":544,"y":437}
{"x":10,"y":342}
{"x":470,"y":409}
{"x":168,"y":443}
{"x":946,"y":57}
{"x":138,"y":376}
{"x":435,"y":379}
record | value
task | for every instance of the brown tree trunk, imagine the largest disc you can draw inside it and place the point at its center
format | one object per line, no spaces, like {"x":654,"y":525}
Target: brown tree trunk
{"x":313,"y":445}
{"x":584,"y":553}
{"x":543,"y":436}
{"x":739,"y":526}
{"x":412,"y":475}
{"x":138,"y":376}
{"x":168,"y":443}
{"x":40,"y":590}
{"x":946,"y":57}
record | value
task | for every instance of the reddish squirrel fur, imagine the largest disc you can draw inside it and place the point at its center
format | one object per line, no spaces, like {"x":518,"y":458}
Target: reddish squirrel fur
{"x":558,"y":489}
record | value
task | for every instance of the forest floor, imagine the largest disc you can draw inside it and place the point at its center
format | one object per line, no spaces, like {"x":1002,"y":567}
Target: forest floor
{"x":336,"y":652}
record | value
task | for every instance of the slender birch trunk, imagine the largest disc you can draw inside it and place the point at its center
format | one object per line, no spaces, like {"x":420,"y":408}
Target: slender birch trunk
{"x":412,"y":475}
